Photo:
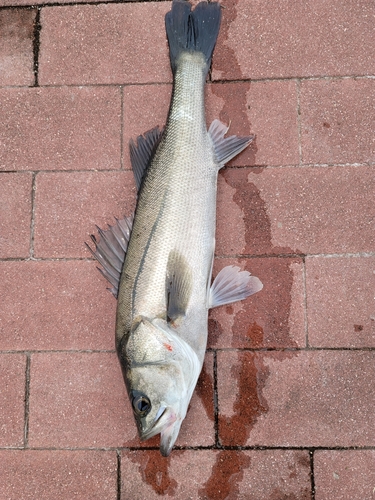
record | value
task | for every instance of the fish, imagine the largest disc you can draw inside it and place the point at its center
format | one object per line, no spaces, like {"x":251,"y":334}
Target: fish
{"x":159,"y":262}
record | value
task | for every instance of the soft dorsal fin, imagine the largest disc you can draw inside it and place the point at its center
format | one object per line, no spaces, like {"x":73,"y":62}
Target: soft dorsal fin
{"x":179,"y":285}
{"x":231,"y":285}
{"x":142,"y":151}
{"x":228,"y":148}
{"x":110,"y":250}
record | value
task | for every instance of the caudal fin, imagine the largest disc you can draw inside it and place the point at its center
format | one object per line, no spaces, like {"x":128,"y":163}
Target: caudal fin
{"x":192,"y":31}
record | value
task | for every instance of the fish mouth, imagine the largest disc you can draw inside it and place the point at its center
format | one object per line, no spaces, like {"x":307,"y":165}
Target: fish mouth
{"x":163,"y":419}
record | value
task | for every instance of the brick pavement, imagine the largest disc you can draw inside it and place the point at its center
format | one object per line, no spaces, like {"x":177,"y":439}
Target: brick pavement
{"x":284,"y":408}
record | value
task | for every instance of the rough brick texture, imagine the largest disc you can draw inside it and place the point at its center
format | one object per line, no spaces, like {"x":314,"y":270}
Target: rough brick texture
{"x":16,"y":48}
{"x":63,"y":474}
{"x":60,"y":128}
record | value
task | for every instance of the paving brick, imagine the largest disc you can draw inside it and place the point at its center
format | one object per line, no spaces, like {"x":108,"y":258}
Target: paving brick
{"x":69,"y":204}
{"x":336,"y":121}
{"x":16,"y":50}
{"x":86,"y":44}
{"x":55,"y":305}
{"x":340,"y":301}
{"x":264,"y":40}
{"x":274,"y":317}
{"x":300,"y":398}
{"x":15,"y":210}
{"x":344,"y":474}
{"x":267,"y":109}
{"x":307,"y":210}
{"x":12,"y":393}
{"x":60,"y":128}
{"x":79,"y":400}
{"x":63,"y":474}
{"x":216,"y":475}
{"x":145,"y":107}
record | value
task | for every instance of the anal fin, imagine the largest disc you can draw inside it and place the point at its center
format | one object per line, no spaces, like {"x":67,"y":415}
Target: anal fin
{"x":178,"y":286}
{"x":110,"y":250}
{"x":229,"y":147}
{"x":231,"y":285}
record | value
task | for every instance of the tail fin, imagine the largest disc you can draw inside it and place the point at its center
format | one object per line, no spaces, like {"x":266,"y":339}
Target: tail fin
{"x":192,"y":31}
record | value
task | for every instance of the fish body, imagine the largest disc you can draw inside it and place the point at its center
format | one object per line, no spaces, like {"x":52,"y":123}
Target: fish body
{"x":164,"y":292}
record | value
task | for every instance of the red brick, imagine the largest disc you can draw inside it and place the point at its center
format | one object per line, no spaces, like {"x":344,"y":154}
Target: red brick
{"x":145,"y":107}
{"x":15,"y":210}
{"x":305,"y":210}
{"x":16,"y":50}
{"x":60,"y":128}
{"x":63,"y":474}
{"x":12,"y":393}
{"x":266,"y":40}
{"x":55,"y":305}
{"x":104,"y":44}
{"x":337,"y":119}
{"x":216,"y":475}
{"x":344,"y":474}
{"x":77,"y":400}
{"x":300,"y":398}
{"x":340,"y":301}
{"x":274,"y":317}
{"x":69,"y":204}
{"x":267,"y":109}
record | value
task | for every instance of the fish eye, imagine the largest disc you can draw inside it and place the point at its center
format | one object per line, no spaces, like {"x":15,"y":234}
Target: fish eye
{"x":141,"y":404}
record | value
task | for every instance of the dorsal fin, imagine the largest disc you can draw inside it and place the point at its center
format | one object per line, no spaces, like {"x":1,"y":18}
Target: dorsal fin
{"x":228,"y":148}
{"x":178,"y":285}
{"x":142,"y":152}
{"x":110,"y":250}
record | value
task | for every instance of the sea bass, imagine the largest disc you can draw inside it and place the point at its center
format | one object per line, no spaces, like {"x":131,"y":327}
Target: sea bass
{"x":160,"y":262}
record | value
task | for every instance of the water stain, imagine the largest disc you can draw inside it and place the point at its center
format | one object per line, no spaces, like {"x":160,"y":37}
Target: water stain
{"x":251,"y":375}
{"x":205,"y":391}
{"x":227,"y":474}
{"x":278,"y":494}
{"x":214,"y":330}
{"x":224,"y":57}
{"x":17,"y":24}
{"x":154,"y":470}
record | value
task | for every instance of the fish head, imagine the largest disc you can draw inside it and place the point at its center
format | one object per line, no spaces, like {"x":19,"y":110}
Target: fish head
{"x":160,"y":371}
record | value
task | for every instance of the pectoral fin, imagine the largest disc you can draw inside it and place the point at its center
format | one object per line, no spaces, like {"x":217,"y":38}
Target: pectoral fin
{"x":110,"y":250}
{"x":228,"y":148}
{"x":178,"y":286}
{"x":231,"y":285}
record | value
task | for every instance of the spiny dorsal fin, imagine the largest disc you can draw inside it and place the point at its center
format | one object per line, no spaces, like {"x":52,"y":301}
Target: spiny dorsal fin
{"x":228,"y":148}
{"x":110,"y":250}
{"x":231,"y":285}
{"x":178,"y":285}
{"x":142,"y":152}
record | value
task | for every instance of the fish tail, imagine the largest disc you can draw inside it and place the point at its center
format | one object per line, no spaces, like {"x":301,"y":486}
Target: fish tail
{"x":192,"y":31}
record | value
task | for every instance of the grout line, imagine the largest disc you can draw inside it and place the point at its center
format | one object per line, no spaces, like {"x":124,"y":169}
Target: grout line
{"x":216,"y":401}
{"x":312,"y":477}
{"x":234,"y":256}
{"x":305,"y":316}
{"x":298,"y":85}
{"x":122,"y":129}
{"x":118,"y":474}
{"x":27,"y":401}
{"x":212,"y":447}
{"x":36,"y":46}
{"x":32,"y":223}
